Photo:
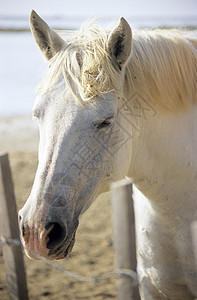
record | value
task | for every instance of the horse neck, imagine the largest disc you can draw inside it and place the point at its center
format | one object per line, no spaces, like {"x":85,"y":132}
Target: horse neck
{"x":164,"y":162}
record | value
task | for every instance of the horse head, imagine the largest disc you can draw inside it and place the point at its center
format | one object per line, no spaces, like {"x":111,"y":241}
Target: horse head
{"x":84,"y":139}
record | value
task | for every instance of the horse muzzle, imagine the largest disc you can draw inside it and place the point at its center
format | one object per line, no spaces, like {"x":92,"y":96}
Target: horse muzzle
{"x":53,"y":242}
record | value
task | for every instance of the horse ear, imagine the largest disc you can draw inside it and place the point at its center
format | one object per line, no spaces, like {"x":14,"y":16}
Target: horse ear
{"x":47,"y":39}
{"x":120,"y":43}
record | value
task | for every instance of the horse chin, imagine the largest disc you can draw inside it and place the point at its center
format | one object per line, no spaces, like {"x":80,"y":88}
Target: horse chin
{"x":31,"y":255}
{"x":62,"y":251}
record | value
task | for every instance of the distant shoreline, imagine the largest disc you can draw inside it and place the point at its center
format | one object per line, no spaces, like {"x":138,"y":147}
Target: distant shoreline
{"x":20,"y":23}
{"x":21,"y":30}
{"x":7,"y":30}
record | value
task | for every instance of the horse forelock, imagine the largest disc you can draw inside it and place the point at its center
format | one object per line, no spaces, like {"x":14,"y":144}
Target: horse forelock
{"x":162,"y":67}
{"x":84,"y":61}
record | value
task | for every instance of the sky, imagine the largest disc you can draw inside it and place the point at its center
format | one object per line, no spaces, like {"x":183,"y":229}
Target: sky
{"x":92,"y":8}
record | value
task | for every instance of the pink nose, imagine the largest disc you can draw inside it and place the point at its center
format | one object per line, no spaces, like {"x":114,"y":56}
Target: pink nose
{"x":42,"y":242}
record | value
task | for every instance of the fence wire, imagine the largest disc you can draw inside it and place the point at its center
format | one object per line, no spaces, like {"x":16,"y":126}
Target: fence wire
{"x":116,"y":272}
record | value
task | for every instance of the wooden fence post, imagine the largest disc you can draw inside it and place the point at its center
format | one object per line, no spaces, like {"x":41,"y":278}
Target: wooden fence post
{"x":13,"y":256}
{"x":124,"y":237}
{"x":194,"y":240}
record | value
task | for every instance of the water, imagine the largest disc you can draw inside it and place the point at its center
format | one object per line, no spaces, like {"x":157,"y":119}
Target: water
{"x":21,"y":64}
{"x":68,"y":22}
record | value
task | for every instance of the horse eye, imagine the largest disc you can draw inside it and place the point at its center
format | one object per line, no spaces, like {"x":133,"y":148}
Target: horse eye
{"x":104,"y":124}
{"x":36,"y":113}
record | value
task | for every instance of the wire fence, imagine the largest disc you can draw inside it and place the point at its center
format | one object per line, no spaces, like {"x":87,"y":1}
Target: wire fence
{"x":125,"y":264}
{"x":125,"y":268}
{"x":116,"y":272}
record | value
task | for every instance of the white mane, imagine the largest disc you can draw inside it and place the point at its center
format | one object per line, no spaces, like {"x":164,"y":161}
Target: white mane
{"x":162,"y":66}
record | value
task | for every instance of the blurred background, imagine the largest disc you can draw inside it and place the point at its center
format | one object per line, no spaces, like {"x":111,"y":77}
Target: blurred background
{"x":21,"y":64}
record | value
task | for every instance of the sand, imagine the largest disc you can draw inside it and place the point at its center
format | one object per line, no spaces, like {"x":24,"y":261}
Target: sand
{"x":93,"y":252}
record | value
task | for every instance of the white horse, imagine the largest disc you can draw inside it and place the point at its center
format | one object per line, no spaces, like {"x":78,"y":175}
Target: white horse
{"x":112,"y":105}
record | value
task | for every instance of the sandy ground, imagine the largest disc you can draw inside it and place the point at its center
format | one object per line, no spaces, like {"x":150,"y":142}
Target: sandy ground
{"x":93,"y":251}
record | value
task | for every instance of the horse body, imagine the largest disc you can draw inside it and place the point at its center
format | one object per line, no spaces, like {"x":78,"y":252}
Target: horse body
{"x":166,"y":174}
{"x":106,"y":113}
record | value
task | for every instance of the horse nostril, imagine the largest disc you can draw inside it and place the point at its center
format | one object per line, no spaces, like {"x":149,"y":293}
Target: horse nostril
{"x":21,"y":225}
{"x":23,"y":230}
{"x":56,"y":235}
